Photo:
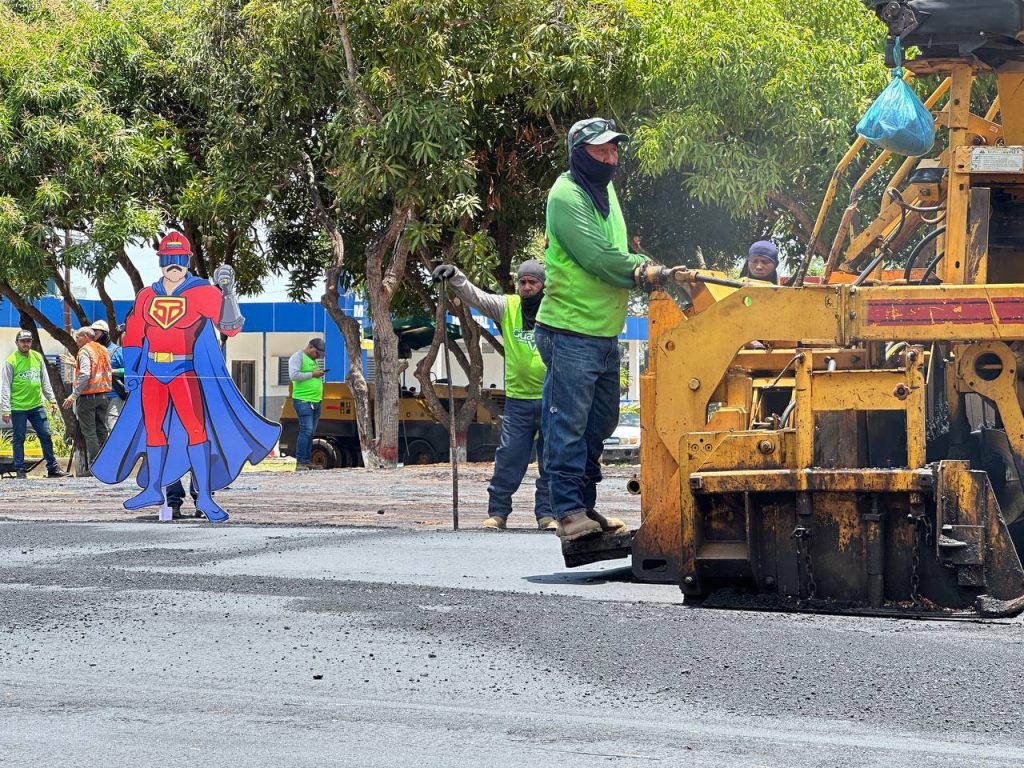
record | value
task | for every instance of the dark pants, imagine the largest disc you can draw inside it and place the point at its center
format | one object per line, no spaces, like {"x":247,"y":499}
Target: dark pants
{"x":91,"y":411}
{"x":580,"y":410}
{"x":176,"y":492}
{"x":41,"y":424}
{"x":309,"y":417}
{"x":520,"y":424}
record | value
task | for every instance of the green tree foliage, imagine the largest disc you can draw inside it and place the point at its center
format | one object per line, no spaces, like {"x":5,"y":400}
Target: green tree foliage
{"x":753,"y":102}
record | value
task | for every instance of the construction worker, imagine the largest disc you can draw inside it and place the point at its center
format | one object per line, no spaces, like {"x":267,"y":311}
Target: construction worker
{"x":24,"y":391}
{"x":117,"y":392}
{"x":762,"y":262}
{"x":589,"y":274}
{"x":91,"y":393}
{"x":307,"y":379}
{"x":516,"y":315}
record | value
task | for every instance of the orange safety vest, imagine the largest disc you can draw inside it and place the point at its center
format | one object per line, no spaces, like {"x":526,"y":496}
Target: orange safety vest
{"x":100,"y":381}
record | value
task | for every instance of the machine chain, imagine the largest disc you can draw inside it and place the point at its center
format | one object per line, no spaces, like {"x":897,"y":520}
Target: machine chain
{"x":803,"y":552}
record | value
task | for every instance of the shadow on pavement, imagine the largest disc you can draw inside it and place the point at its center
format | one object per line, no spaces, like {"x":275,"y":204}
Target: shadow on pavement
{"x":619,"y":575}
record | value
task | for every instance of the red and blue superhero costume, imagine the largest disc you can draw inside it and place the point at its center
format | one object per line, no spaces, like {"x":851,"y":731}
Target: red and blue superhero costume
{"x":183,"y":411}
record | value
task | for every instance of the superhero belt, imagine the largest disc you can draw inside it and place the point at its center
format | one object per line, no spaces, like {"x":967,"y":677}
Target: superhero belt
{"x":167,"y":357}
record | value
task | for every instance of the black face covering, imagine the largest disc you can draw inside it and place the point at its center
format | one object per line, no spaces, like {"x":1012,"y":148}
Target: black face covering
{"x":593,"y":176}
{"x":530,"y":306}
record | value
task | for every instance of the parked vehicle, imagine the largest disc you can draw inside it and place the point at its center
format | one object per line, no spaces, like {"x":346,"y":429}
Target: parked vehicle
{"x":421,"y":440}
{"x":624,"y":444}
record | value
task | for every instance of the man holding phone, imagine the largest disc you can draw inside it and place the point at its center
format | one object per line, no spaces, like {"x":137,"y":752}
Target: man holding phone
{"x":307,"y":379}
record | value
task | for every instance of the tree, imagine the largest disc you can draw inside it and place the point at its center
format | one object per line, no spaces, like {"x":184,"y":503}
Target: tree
{"x":65,"y":161}
{"x":752,"y":102}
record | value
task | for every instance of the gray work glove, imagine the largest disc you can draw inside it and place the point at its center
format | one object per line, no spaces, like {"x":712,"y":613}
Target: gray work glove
{"x":443,"y":272}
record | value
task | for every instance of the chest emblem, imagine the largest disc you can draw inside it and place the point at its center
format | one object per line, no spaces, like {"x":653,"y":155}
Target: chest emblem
{"x":525,"y":337}
{"x":167,"y":310}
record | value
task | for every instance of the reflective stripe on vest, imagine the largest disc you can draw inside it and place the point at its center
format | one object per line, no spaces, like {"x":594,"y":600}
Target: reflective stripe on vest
{"x":101,"y":378}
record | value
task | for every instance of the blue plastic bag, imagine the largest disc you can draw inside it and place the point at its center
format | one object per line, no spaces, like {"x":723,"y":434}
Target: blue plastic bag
{"x":898,"y":121}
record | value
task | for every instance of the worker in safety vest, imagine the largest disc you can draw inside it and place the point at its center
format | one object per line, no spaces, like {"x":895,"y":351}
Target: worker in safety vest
{"x":91,"y":393}
{"x":24,"y":391}
{"x":516,"y":315}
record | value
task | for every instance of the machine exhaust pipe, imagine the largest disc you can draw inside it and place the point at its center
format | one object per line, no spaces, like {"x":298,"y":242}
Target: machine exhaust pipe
{"x":633,"y":485}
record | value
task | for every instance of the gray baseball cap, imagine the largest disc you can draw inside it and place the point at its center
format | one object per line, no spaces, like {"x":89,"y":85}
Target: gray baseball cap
{"x":593,"y":130}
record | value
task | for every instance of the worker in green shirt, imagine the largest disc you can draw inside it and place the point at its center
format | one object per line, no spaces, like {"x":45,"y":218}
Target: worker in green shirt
{"x":590,"y":272}
{"x":307,"y":379}
{"x":24,"y":389}
{"x":516,"y":315}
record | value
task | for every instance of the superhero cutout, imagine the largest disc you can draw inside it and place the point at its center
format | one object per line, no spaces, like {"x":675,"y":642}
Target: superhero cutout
{"x":183,"y":411}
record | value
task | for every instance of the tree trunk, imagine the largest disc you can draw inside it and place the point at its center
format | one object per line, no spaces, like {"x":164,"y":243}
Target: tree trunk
{"x":349,"y":326}
{"x":56,"y":273}
{"x":381,"y":285}
{"x":131,"y":270}
{"x":108,"y":305}
{"x":195,"y":238}
{"x":466,"y":412}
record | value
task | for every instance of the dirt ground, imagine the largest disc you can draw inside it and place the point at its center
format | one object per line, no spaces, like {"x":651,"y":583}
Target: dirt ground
{"x":409,"y":497}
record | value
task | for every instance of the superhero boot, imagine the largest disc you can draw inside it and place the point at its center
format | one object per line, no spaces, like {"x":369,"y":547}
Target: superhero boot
{"x":152,"y":495}
{"x":199,"y":456}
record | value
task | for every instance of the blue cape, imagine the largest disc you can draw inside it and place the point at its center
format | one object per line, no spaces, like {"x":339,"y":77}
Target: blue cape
{"x":236,"y":433}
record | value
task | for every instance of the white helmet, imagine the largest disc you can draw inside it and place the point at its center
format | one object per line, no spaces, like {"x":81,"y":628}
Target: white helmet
{"x":101,"y":325}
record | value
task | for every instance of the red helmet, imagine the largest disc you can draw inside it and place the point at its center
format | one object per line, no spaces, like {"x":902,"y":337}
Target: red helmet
{"x":174,"y":249}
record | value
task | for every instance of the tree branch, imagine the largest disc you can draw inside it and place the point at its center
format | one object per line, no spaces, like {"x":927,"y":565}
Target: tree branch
{"x":350,"y":62}
{"x":65,"y":291}
{"x":108,"y":304}
{"x":131,"y":270}
{"x":27,"y":308}
{"x":794,"y":209}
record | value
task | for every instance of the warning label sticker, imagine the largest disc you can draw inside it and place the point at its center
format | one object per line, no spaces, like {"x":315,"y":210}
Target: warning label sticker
{"x":997,"y":159}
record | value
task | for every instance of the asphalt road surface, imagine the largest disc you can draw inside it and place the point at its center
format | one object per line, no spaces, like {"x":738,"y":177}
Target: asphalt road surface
{"x":137,"y":644}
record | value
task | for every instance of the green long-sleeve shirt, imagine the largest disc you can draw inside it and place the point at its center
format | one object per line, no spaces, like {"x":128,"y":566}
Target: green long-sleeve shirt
{"x":588,"y":263}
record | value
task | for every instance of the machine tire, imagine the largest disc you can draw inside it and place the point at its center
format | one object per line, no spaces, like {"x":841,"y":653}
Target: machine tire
{"x":420,"y":452}
{"x":324,"y":455}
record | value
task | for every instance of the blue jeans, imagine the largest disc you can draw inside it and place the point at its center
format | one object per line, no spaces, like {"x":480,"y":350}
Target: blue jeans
{"x":37,"y":418}
{"x":176,"y":492}
{"x":580,"y":410}
{"x":520,"y":424}
{"x":309,"y":417}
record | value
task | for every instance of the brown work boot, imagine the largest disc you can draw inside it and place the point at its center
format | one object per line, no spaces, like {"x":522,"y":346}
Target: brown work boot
{"x":494,"y":523}
{"x":608,"y":524}
{"x":577,"y":526}
{"x":547,"y":523}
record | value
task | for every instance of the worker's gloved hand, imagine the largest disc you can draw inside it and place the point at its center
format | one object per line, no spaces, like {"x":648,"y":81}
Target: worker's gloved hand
{"x":651,"y":277}
{"x":444,"y":272}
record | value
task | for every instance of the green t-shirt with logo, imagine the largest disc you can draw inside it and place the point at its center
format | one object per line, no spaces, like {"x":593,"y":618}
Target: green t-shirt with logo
{"x":310,"y":390}
{"x":524,"y":370}
{"x":26,"y":382}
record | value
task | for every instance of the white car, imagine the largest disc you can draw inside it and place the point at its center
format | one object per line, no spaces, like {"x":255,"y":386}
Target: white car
{"x":624,"y":444}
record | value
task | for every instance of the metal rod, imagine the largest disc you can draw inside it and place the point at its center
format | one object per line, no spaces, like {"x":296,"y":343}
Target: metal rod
{"x":870,"y":268}
{"x":452,"y":448}
{"x":875,"y":546}
{"x":720,"y":281}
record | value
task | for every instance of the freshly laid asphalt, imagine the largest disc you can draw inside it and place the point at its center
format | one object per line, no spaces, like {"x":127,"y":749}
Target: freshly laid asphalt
{"x":144,"y":644}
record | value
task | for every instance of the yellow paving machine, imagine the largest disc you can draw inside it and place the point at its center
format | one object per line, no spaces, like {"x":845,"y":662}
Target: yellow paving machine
{"x":868,"y":457}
